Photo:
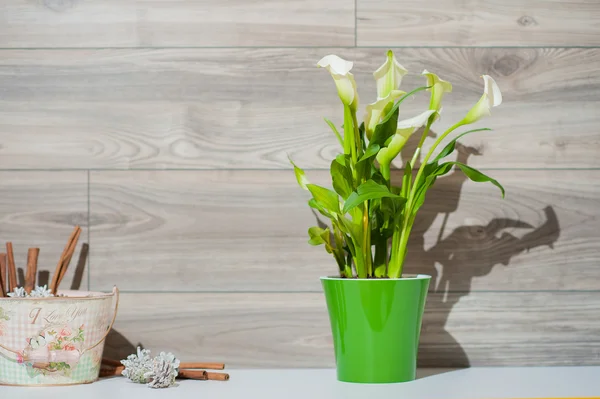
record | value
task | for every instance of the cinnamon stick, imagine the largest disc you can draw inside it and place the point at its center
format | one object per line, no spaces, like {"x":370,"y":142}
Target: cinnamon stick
{"x":197,"y":365}
{"x":217,"y":376}
{"x":192,"y":374}
{"x":32,"y":260}
{"x":61,"y":261}
{"x":3,"y":275}
{"x":67,"y":261}
{"x":111,"y":362}
{"x":12,"y":269}
{"x":111,"y":371}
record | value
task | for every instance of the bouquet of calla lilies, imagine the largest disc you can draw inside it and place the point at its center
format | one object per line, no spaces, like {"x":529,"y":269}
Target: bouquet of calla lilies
{"x":371,"y":218}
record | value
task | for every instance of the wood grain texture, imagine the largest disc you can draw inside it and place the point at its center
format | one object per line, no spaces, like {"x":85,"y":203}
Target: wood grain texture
{"x":39,"y":209}
{"x":246,"y":231}
{"x":292,"y":330}
{"x":242,"y":108}
{"x":481,"y":23}
{"x":179,"y":23}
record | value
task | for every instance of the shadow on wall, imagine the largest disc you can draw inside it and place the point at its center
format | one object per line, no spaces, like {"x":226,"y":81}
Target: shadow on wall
{"x":465,"y":253}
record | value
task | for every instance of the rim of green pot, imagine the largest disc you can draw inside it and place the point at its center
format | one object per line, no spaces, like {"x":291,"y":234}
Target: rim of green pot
{"x":407,"y":277}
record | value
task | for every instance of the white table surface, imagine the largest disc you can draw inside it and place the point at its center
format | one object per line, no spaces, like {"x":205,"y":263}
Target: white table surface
{"x":473,"y":383}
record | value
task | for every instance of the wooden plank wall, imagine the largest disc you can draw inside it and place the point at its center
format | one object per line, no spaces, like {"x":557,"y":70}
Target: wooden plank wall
{"x":164,"y":127}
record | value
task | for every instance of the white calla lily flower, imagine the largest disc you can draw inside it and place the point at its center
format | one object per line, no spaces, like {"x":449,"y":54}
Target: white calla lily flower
{"x":416,"y":121}
{"x":492,"y":97}
{"x":438,"y":88}
{"x":404,"y":130}
{"x":379,"y":109}
{"x":344,"y":80}
{"x":389,"y":75}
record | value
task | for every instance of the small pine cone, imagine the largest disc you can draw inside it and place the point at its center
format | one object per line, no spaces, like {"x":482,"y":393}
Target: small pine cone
{"x":163,"y":372}
{"x":136,"y":366}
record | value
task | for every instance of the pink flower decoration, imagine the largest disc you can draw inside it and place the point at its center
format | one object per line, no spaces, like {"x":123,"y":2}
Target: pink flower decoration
{"x":69,"y":347}
{"x":20,"y":358}
{"x":65,"y":332}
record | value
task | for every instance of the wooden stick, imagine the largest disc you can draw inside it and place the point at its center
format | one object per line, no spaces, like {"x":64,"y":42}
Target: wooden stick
{"x":111,"y":371}
{"x":57,"y":271}
{"x":12,"y":269}
{"x":3,"y":274}
{"x":196,"y":365}
{"x":111,"y":362}
{"x":67,"y":261}
{"x":192,"y":374}
{"x":218,"y":376}
{"x":32,"y":260}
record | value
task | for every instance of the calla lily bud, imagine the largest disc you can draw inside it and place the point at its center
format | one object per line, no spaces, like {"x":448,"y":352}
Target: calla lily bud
{"x":438,"y":88}
{"x":379,"y":109}
{"x":389,"y":76}
{"x":492,"y":97}
{"x":344,"y":80}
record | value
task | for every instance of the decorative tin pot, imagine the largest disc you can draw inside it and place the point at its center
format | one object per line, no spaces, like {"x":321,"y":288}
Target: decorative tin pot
{"x":376,"y":325}
{"x":55,"y":340}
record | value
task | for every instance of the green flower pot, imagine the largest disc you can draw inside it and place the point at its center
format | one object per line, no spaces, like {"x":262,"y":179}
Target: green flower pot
{"x":376,"y":325}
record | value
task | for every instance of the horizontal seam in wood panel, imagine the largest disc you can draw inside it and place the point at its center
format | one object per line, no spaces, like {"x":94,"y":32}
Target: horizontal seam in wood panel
{"x":250,"y":169}
{"x":297,"y":47}
{"x":320,"y":292}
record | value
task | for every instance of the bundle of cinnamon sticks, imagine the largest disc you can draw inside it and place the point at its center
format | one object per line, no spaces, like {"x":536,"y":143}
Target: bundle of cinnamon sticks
{"x":188,"y":371}
{"x":8,"y":269}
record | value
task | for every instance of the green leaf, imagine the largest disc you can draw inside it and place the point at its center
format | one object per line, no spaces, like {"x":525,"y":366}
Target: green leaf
{"x":367,"y":191}
{"x":320,"y":236}
{"x":477,"y":176}
{"x":449,"y":148}
{"x":385,"y":129}
{"x":316,"y":205}
{"x":371,"y":151}
{"x":353,"y":230}
{"x":337,"y":134}
{"x":300,"y":177}
{"x":325,"y":197}
{"x":341,"y":178}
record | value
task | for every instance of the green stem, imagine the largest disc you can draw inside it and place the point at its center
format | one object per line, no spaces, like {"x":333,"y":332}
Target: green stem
{"x":359,"y":263}
{"x":425,"y":133}
{"x":429,"y":154}
{"x":385,"y":171}
{"x":400,"y":251}
{"x":357,"y":138}
{"x":350,"y":135}
{"x":338,"y":253}
{"x":400,"y":239}
{"x":367,"y":240}
{"x":380,"y":264}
